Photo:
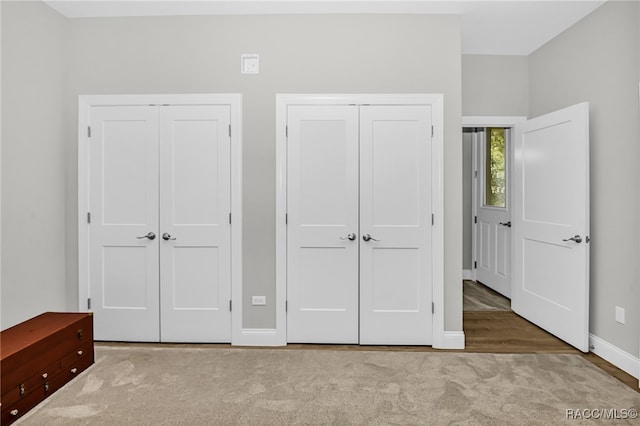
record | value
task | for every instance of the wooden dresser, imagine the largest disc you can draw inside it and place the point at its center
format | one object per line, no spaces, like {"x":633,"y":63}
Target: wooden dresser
{"x":39,"y":356}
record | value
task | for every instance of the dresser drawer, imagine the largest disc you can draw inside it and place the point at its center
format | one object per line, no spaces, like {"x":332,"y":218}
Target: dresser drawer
{"x":12,"y":412}
{"x":35,"y":382}
{"x":70,"y":371}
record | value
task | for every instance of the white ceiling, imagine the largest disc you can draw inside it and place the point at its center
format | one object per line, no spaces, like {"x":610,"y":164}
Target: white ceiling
{"x":503,"y":27}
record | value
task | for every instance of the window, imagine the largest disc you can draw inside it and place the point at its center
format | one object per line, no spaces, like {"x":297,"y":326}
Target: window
{"x":495,"y":168}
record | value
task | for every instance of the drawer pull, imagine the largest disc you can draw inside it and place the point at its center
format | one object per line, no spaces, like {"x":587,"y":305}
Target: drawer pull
{"x":22,"y":391}
{"x":45,"y":375}
{"x":80,"y":353}
{"x":80,"y":334}
{"x":14,"y":412}
{"x":46,"y":387}
{"x":74,"y":370}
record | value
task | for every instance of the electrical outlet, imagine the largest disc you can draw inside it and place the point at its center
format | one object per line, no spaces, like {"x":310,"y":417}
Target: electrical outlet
{"x":619,"y":314}
{"x":258,"y":300}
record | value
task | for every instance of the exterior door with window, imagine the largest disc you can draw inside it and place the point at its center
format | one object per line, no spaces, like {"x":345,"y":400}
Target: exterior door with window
{"x":493,"y":219}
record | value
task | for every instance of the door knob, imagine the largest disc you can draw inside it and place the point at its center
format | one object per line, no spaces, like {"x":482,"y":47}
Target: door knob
{"x":368,"y":237}
{"x":350,"y":237}
{"x":150,"y":236}
{"x":577,"y":239}
{"x":507,"y":224}
{"x":167,"y":236}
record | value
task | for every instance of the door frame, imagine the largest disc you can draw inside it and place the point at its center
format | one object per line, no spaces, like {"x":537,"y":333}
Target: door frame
{"x":278,"y":336}
{"x":234,"y":100}
{"x":484,"y":121}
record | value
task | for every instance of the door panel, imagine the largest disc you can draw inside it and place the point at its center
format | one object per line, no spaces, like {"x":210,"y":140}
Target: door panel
{"x":493,"y":236}
{"x":123,"y":156}
{"x":395,"y":209}
{"x":322,"y":263}
{"x":195,"y":263}
{"x":551,"y":205}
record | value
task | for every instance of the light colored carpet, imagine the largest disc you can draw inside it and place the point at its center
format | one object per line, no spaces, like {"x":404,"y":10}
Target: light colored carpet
{"x":477,"y":297}
{"x":133,"y":385}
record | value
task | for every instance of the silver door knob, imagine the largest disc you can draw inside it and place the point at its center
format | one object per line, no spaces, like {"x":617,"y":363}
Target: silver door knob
{"x":368,"y":237}
{"x":350,"y":237}
{"x":150,"y":236}
{"x":167,"y":236}
{"x":577,"y":239}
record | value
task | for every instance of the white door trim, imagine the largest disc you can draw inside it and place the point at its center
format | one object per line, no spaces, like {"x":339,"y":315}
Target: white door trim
{"x":437,"y":103}
{"x":85,"y":102}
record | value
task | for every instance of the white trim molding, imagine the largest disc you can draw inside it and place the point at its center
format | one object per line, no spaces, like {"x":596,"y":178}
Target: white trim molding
{"x":234,"y":101}
{"x":467,"y":274}
{"x":453,"y":340}
{"x":440,"y":339}
{"x":256,"y":337}
{"x":616,"y":356}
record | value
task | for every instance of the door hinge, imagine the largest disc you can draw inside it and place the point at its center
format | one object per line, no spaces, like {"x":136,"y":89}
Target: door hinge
{"x":433,"y":219}
{"x":475,"y":265}
{"x":89,"y":131}
{"x":230,"y":306}
{"x":229,"y":218}
{"x":433,"y":308}
{"x":286,"y":218}
{"x":432,"y":131}
{"x":286,"y":306}
{"x":286,"y":131}
{"x":475,"y":174}
{"x":475,"y":219}
{"x":229,"y":130}
{"x":88,"y":217}
{"x":89,"y":303}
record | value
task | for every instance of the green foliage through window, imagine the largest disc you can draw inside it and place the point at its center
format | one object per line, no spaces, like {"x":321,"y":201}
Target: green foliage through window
{"x":495,"y":168}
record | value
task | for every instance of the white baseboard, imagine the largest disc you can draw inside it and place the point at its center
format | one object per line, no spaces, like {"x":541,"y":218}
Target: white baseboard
{"x":616,"y":356}
{"x":258,"y":337}
{"x":467,"y":274}
{"x":452,"y":340}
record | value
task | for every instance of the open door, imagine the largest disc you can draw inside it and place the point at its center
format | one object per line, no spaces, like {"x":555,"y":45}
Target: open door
{"x":550,"y":219}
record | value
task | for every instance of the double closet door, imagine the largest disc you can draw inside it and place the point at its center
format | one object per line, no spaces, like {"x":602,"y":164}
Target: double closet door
{"x":359,"y":224}
{"x":159,"y":231}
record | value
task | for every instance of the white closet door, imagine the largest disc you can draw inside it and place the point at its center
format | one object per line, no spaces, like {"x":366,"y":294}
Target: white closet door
{"x":395,"y":211}
{"x":123,"y":156}
{"x":322,"y":262}
{"x":195,"y":254}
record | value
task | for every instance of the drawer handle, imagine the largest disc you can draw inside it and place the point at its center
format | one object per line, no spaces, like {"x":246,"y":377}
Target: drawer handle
{"x":46,"y":387}
{"x":80,"y":334}
{"x":79,"y":353}
{"x":74,"y":370}
{"x":22,"y":391}
{"x":45,"y":375}
{"x":14,"y":412}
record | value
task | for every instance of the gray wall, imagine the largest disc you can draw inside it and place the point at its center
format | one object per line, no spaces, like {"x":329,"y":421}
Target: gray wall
{"x":597,"y":61}
{"x":492,"y":85}
{"x":298,"y":54}
{"x":34,"y":161}
{"x":495,"y":85}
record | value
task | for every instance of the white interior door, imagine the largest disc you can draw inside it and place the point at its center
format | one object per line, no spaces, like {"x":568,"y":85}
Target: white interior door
{"x":194,"y":233}
{"x":395,"y":225}
{"x":551,"y":223}
{"x":322,"y":243}
{"x":493,"y":217}
{"x":123,"y":264}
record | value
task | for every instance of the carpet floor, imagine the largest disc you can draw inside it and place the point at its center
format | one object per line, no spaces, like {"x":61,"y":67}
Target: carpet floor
{"x":134,"y":385}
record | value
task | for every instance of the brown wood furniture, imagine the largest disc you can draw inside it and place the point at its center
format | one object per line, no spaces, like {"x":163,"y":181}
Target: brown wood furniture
{"x":39,"y":356}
